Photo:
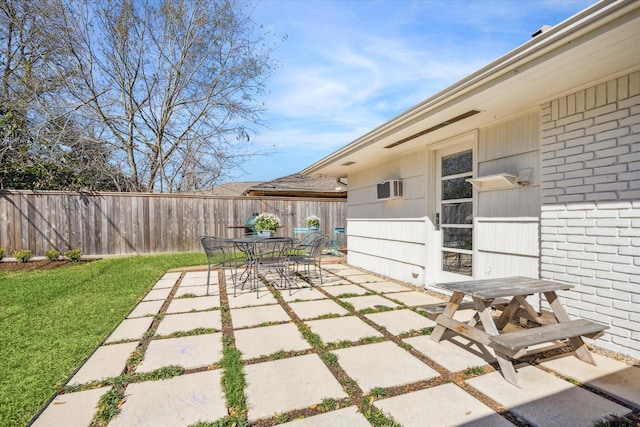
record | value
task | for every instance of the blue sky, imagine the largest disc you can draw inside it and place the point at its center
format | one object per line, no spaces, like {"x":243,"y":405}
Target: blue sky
{"x":346,"y":67}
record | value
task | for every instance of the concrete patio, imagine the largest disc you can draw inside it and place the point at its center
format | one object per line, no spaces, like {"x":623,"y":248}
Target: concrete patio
{"x":385,"y":359}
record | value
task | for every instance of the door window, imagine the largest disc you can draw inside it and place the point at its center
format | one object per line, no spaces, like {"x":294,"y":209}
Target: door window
{"x":456,"y":208}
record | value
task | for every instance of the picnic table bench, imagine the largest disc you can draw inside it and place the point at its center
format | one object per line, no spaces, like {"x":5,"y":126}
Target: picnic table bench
{"x":486,"y":294}
{"x":434,"y":311}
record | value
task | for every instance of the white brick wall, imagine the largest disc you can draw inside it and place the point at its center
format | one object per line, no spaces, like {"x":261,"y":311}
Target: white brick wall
{"x":590,"y":220}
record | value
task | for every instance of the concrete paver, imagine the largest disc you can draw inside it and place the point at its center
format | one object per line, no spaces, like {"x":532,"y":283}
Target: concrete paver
{"x":401,"y":321}
{"x":345,"y":417}
{"x":546,"y":400}
{"x":146,"y":308}
{"x":71,"y":409}
{"x":331,"y":280}
{"x":107,"y":361}
{"x":445,"y":405}
{"x":346,"y":272}
{"x":183,"y":305}
{"x":194,"y":281}
{"x":189,"y":321}
{"x":165,"y":283}
{"x":200,"y":273}
{"x":453,"y":353}
{"x":304,"y":294}
{"x":413,"y":298}
{"x":365,"y":278}
{"x":190,"y":352}
{"x":346,"y":289}
{"x":382,"y":364}
{"x":298,"y":382}
{"x":312,"y":309}
{"x":335,"y":266}
{"x":385,"y":287}
{"x":178,"y":401}
{"x":266,"y":340}
{"x":252,"y":316}
{"x":131,"y":329}
{"x":284,"y":385}
{"x":199,"y":291}
{"x":610,"y":376}
{"x":348,"y":328}
{"x":158,"y":294}
{"x":370,"y":301}
{"x":249,"y":299}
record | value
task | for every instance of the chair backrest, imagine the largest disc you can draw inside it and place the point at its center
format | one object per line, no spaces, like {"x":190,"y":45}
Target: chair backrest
{"x":308,"y":240}
{"x":272,"y":250}
{"x":218,"y":251}
{"x":316,"y":247}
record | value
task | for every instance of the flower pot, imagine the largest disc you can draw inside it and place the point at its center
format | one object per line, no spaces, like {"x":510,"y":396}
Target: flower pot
{"x":265,"y":233}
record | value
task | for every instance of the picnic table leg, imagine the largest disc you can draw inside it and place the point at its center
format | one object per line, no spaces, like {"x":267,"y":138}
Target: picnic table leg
{"x":484,"y":310}
{"x":508,"y":312}
{"x":577,"y":344}
{"x":450,"y":309}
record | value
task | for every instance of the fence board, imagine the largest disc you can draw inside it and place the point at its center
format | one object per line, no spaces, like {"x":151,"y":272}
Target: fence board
{"x":138,"y":223}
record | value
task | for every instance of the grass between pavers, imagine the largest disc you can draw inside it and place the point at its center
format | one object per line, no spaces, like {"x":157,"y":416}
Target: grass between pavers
{"x":51,"y":320}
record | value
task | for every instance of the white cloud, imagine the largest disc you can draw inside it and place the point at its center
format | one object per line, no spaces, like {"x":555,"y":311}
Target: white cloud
{"x":349,"y":66}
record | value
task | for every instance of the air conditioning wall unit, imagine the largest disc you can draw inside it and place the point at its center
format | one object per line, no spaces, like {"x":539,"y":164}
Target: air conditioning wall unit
{"x":391,"y":189}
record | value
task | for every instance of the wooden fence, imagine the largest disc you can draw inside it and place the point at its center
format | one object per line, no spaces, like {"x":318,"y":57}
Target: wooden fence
{"x":140,"y":223}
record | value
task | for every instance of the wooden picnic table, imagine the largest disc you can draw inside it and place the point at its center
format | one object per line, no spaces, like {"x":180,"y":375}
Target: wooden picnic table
{"x":487,"y":294}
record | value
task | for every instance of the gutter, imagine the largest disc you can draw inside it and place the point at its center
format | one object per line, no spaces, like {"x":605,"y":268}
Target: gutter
{"x":560,"y":35}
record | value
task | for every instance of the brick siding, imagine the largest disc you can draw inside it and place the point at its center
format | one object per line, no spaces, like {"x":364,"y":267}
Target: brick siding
{"x":590,"y":218}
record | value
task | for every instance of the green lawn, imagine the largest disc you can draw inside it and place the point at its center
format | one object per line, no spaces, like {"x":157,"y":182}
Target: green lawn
{"x":50,"y":321}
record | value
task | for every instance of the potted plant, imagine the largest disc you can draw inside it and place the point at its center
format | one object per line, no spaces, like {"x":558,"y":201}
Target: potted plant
{"x":313,"y":222}
{"x":266,"y":224}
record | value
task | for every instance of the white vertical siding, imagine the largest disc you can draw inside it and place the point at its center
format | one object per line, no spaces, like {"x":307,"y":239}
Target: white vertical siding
{"x":510,"y":137}
{"x":507,"y":247}
{"x":391,"y":247}
{"x":506,"y":237}
{"x":509,"y":147}
{"x":410,"y":168}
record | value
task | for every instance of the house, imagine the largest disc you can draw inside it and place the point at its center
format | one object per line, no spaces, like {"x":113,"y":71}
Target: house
{"x":295,"y":185}
{"x":230,"y":189}
{"x":299,"y":185}
{"x":529,"y":166}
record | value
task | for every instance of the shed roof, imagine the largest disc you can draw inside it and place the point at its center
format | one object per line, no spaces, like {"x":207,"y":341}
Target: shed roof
{"x":229,"y":189}
{"x":299,"y":185}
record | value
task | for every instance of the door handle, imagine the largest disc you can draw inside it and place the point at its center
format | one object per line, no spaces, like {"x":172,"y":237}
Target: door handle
{"x":437,"y":220}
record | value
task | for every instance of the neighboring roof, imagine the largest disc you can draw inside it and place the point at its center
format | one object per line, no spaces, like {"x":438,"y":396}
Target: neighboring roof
{"x":230,"y":188}
{"x":587,"y":48}
{"x":299,"y":185}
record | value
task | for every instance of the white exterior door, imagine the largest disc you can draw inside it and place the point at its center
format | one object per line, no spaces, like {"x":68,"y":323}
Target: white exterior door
{"x":454,"y":213}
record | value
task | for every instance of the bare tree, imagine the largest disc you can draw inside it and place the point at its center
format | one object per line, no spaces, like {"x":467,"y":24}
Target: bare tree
{"x":43,"y":144}
{"x":173,"y":86}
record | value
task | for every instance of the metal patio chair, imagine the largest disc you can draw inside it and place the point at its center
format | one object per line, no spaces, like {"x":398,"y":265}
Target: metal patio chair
{"x":303,"y":245}
{"x":220,"y":255}
{"x":273,"y":261}
{"x":311,"y":257}
{"x":333,"y":246}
